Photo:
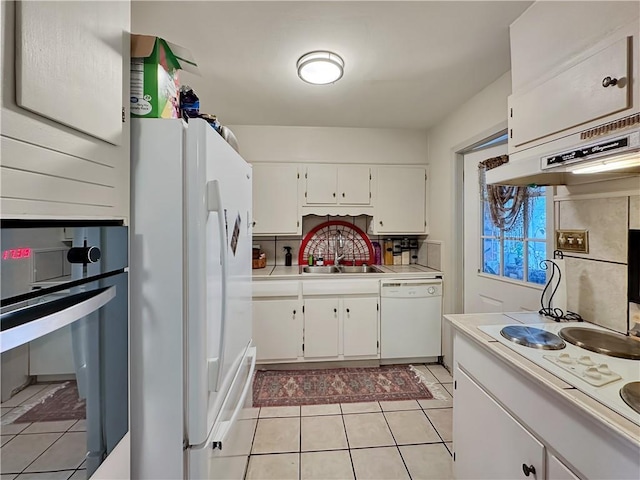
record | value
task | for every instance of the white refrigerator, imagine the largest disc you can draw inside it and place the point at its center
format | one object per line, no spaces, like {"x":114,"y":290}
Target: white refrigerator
{"x":192,"y":360}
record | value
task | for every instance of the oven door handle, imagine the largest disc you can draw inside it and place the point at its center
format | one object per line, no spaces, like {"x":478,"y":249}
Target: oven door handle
{"x":26,"y":324}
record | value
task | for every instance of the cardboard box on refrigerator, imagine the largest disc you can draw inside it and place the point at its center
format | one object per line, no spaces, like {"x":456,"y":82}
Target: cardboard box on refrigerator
{"x":155,"y":66}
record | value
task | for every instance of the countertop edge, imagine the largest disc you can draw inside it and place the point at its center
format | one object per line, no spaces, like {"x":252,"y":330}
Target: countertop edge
{"x":274,"y":272}
{"x":540,"y":376}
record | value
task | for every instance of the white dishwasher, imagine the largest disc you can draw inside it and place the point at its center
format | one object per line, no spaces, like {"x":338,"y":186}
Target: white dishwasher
{"x":410,"y":318}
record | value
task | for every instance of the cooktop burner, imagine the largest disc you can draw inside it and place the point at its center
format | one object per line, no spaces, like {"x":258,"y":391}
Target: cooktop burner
{"x":630,"y":393}
{"x":532,"y":337}
{"x":611,"y":344}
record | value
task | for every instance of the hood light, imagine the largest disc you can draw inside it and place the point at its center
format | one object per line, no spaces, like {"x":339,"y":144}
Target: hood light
{"x":320,"y":67}
{"x":617,"y":163}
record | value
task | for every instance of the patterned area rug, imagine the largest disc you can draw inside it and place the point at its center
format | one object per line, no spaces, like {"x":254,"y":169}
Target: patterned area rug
{"x":63,"y":404}
{"x":277,"y":388}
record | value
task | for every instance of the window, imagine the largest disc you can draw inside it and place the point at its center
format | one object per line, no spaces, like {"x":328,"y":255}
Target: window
{"x":516,"y":253}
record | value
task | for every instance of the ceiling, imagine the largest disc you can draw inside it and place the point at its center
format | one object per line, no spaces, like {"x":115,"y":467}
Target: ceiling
{"x":407,"y":64}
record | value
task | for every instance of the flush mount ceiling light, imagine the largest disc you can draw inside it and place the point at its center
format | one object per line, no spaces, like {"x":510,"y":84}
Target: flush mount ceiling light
{"x":320,"y":67}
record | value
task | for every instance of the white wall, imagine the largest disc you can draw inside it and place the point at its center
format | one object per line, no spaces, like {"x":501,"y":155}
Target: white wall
{"x":480,"y":117}
{"x":331,"y":144}
{"x":484,"y":114}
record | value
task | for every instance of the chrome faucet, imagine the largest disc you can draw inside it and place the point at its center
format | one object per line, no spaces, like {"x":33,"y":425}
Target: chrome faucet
{"x":339,"y":248}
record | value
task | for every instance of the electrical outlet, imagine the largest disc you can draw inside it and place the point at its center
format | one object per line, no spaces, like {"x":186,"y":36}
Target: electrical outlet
{"x":576,"y":241}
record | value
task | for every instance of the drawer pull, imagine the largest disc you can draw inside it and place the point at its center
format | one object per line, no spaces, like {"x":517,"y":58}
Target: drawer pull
{"x":609,"y":82}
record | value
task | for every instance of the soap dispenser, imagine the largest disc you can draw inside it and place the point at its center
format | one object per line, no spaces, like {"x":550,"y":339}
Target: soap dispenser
{"x":287,"y":257}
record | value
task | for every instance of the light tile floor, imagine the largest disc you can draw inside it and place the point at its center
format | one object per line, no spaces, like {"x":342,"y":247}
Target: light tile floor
{"x":375,"y":440}
{"x":40,"y":450}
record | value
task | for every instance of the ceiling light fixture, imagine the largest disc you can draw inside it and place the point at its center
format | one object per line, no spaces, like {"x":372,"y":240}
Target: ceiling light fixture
{"x":615,"y":163}
{"x":320,"y":67}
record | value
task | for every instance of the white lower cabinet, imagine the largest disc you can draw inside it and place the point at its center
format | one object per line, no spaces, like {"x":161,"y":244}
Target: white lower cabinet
{"x":360,"y":326}
{"x":315,"y":321}
{"x":556,"y":470}
{"x":321,"y":328}
{"x":490,"y":443}
{"x":337,"y":328}
{"x":277,"y":329}
{"x":504,"y":420}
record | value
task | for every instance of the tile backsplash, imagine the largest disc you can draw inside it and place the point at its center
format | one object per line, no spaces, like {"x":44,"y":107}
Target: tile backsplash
{"x":273,"y":246}
{"x":597,"y":281}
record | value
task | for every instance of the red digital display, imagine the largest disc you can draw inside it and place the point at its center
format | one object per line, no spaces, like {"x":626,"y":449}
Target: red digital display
{"x":16,"y":253}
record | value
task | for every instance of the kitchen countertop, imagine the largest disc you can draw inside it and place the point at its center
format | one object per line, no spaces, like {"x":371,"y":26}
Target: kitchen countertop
{"x":468,"y":324}
{"x":410,"y":271}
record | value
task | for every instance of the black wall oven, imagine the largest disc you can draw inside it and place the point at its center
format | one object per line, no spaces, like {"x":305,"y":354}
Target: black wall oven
{"x":65,"y":329}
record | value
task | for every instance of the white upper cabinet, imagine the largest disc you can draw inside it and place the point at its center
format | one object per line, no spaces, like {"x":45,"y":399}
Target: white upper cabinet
{"x":574,"y":67}
{"x":321,"y":184}
{"x":592,"y":89}
{"x":65,"y":132}
{"x":69,"y":64}
{"x":330,"y":184}
{"x":354,"y":185}
{"x":400,"y":203}
{"x":275,"y":199}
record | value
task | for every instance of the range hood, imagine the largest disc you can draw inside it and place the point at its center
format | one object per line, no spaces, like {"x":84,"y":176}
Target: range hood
{"x":577,"y":158}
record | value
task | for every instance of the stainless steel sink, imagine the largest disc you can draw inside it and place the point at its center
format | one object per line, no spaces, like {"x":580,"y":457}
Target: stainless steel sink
{"x":358,"y":269}
{"x":340,"y":269}
{"x":321,"y":269}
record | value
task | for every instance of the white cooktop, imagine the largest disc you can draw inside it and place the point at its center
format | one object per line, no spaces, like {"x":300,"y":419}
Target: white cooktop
{"x":597,"y":375}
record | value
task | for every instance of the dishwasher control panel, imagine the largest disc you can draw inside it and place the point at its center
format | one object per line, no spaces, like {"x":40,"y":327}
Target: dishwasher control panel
{"x":407,"y":289}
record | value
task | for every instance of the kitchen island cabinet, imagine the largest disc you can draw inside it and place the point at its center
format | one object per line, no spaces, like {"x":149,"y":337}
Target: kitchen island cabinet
{"x":533,"y":411}
{"x":65,"y":129}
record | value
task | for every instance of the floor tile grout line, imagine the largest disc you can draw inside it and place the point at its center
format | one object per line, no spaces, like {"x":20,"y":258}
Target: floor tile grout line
{"x":54,"y":442}
{"x":45,"y":433}
{"x":300,"y":444}
{"x":396,"y":443}
{"x":22,"y":404}
{"x":346,"y":435}
{"x":434,"y":427}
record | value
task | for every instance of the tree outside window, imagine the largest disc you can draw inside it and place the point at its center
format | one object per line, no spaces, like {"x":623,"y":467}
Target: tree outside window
{"x":517,"y":252}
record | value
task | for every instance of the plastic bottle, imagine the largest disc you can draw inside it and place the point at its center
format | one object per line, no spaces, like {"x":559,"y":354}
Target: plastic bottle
{"x":320,"y":259}
{"x":377,"y":251}
{"x":287,"y":257}
{"x":310,"y":260}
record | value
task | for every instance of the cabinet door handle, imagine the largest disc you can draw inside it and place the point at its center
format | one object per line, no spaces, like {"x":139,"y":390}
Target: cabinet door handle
{"x":347,"y":310}
{"x":380,"y":222}
{"x":253,"y":224}
{"x":342,"y":194}
{"x":609,"y":82}
{"x":335,"y":310}
{"x":334,"y":194}
{"x":294,"y":312}
{"x":528,"y":469}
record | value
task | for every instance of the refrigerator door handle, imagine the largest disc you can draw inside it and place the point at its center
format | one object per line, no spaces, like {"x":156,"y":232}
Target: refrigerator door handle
{"x":221,"y":432}
{"x":215,"y":205}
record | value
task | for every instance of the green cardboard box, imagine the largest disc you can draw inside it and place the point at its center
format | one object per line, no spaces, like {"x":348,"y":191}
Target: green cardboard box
{"x":155,"y":64}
